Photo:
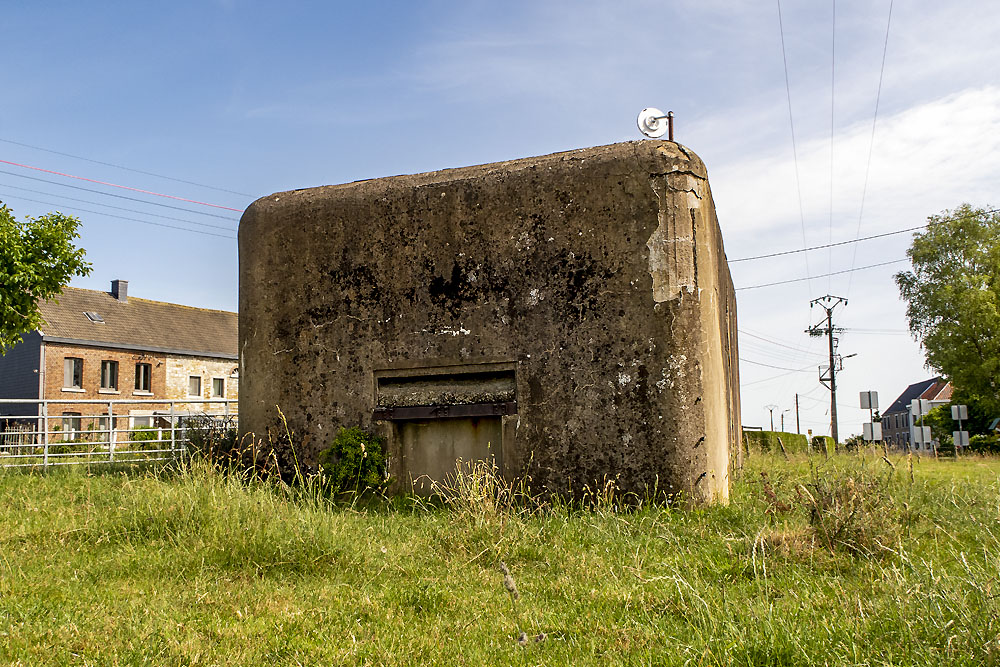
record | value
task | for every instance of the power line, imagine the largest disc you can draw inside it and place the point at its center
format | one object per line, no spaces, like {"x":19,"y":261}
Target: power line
{"x":839,"y":243}
{"x":145,"y":222}
{"x":117,"y":196}
{"x":117,"y":208}
{"x":839,"y":405}
{"x":118,"y":166}
{"x":871,"y":143}
{"x":774,"y":342}
{"x":780,"y":368}
{"x":123,"y":187}
{"x":773,"y":377}
{"x":774,"y":355}
{"x":791,"y":124}
{"x":863,"y":330}
{"x":827,"y":245}
{"x":823,"y":275}
{"x":833,"y":80}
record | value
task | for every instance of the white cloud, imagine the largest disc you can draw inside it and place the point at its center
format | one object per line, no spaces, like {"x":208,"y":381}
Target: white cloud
{"x":931,"y":157}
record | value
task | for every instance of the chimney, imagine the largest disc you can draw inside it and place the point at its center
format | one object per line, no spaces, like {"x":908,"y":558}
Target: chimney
{"x":119,"y":290}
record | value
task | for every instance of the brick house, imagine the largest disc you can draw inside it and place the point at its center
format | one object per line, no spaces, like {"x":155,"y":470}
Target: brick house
{"x":105,"y":346}
{"x":898,"y":424}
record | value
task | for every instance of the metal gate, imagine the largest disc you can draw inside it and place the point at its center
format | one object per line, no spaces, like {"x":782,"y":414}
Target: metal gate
{"x":44,"y":433}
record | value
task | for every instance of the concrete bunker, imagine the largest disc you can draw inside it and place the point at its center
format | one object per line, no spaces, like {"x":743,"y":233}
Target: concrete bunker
{"x":569,"y":316}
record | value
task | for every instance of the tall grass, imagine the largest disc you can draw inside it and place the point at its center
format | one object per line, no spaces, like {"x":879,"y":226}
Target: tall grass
{"x":839,"y":562}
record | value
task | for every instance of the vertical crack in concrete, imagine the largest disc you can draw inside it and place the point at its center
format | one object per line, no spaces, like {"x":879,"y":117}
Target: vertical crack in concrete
{"x":694,"y":235}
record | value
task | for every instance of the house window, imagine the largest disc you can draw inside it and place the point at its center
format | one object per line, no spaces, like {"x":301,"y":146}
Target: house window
{"x":194,"y":385}
{"x":73,"y":373}
{"x":70,"y":425}
{"x":109,"y":375}
{"x":143,"y":372}
{"x":218,"y":387}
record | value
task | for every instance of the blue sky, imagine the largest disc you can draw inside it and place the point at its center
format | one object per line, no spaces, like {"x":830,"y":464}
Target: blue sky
{"x":255,"y":98}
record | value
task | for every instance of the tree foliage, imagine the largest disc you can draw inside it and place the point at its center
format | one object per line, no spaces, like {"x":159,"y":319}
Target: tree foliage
{"x":953,"y":298}
{"x":37,"y":259}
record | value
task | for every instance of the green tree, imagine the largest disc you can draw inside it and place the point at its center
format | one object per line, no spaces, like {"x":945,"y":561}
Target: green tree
{"x":37,"y":259}
{"x":939,"y":419}
{"x":953,"y":298}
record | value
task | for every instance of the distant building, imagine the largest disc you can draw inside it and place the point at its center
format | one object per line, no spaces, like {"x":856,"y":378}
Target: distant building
{"x":109,"y":347}
{"x":899,"y":424}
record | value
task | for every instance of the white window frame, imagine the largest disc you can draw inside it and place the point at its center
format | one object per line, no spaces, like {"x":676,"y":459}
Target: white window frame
{"x":200,"y":389}
{"x":148,"y":391}
{"x":75,"y":425}
{"x":223,"y":381}
{"x":111,"y":389}
{"x":78,"y":362}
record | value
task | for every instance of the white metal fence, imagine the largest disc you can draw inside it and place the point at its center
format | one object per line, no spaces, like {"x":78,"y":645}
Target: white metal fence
{"x":37,"y":433}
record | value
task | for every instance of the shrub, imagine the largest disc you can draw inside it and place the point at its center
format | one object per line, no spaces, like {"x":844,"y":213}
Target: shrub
{"x":216,"y":441}
{"x":823,"y":444}
{"x":143,"y":434}
{"x":354,"y":461}
{"x":984,"y":444}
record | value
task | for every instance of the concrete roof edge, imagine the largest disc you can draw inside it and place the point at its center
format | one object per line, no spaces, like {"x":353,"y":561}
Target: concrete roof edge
{"x":641,"y":149}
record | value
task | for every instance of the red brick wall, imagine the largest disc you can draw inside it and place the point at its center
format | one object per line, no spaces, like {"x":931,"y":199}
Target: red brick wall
{"x":55,"y":354}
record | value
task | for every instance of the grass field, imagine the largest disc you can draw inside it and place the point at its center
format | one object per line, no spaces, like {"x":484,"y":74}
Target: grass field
{"x":846,"y":561}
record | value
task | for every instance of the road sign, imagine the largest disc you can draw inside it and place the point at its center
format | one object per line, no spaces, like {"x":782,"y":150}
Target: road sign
{"x":872,"y":432}
{"x":869,"y":400}
{"x":959,"y":412}
{"x":922,"y":435}
{"x":919,"y":407}
{"x":961,"y":438}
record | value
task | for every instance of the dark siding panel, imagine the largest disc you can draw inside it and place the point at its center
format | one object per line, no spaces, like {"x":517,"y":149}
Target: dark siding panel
{"x":19,"y":371}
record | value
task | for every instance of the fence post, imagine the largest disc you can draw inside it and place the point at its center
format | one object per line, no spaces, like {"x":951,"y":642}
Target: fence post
{"x":45,"y":434}
{"x":173,"y":432}
{"x":111,"y":421}
{"x":111,"y":428}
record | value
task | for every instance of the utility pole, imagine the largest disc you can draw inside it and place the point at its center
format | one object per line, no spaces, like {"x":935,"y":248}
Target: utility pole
{"x":829,"y":379}
{"x":771,"y":408}
{"x":798,"y":429}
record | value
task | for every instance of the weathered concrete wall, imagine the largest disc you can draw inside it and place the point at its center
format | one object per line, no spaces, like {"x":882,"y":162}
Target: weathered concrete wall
{"x":595,"y":281}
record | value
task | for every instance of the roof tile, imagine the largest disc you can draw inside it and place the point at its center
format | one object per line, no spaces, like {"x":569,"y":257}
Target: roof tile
{"x":139,"y":322}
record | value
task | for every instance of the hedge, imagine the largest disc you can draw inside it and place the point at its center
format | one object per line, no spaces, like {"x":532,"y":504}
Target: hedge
{"x":767,"y":441}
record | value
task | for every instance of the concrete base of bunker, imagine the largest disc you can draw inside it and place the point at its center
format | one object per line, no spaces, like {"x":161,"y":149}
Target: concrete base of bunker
{"x":576,"y":307}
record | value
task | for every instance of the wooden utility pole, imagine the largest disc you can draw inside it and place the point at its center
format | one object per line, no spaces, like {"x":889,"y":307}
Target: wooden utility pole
{"x":798,"y":429}
{"x":829,"y":379}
